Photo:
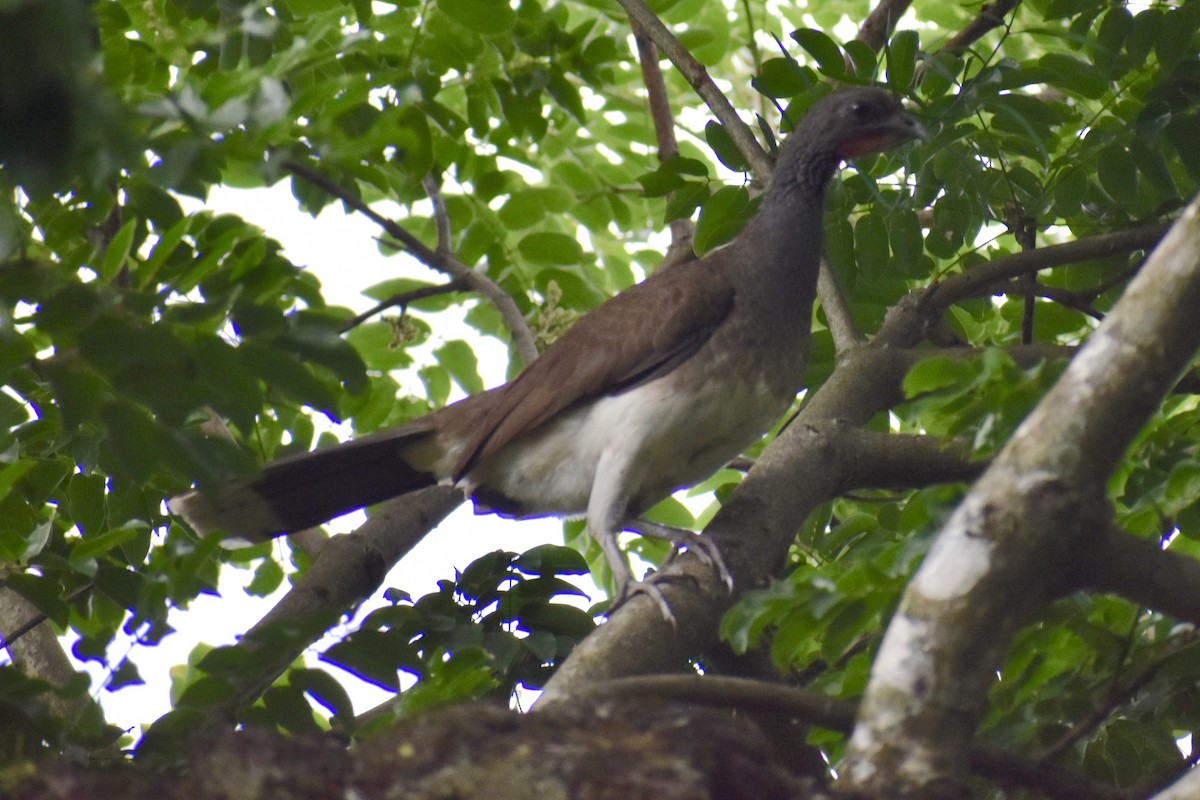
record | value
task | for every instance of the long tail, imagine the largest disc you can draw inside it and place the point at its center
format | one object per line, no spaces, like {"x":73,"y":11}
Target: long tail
{"x":306,"y":490}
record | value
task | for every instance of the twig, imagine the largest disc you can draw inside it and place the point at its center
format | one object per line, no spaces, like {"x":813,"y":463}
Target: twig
{"x":443,"y":262}
{"x":990,"y":16}
{"x":403,"y":299}
{"x":979,"y":280}
{"x":697,"y":76}
{"x":1113,"y":699}
{"x":440,"y":216}
{"x":682,"y":230}
{"x":837,"y":311}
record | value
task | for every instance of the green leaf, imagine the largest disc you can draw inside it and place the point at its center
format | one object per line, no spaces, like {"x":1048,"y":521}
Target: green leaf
{"x":941,"y":72}
{"x":1075,"y":76}
{"x":369,"y":655}
{"x":686,"y":166}
{"x":283,"y":373}
{"x":1182,"y":488}
{"x":721,"y":217}
{"x":459,"y":360}
{"x":94,"y":546}
{"x":824,"y":51}
{"x":549,"y":559}
{"x":907,"y":240}
{"x":268,"y":576}
{"x":1176,"y":37}
{"x":206,"y":692}
{"x":139,"y":445}
{"x":323,"y":688}
{"x":551,"y":248}
{"x":683,"y":202}
{"x":1118,"y":173}
{"x":386,"y":290}
{"x":1143,"y":33}
{"x":660,"y":182}
{"x":557,"y":618}
{"x":782,"y":77}
{"x":937,"y":373}
{"x":117,"y":252}
{"x":864,"y":61}
{"x":722,"y":145}
{"x":902,"y":60}
{"x":871,"y":244}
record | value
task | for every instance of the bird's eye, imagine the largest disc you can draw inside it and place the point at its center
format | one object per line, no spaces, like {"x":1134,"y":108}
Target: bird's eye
{"x":859,"y":111}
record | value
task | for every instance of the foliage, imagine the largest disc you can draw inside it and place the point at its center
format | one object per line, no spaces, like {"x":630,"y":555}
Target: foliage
{"x":128,"y":326}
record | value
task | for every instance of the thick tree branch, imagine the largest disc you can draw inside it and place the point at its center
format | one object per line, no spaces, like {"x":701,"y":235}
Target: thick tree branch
{"x":1186,"y":788}
{"x":823,"y":711}
{"x":518,"y":328}
{"x":697,"y":76}
{"x":37,"y":652}
{"x":1011,"y":545}
{"x":869,"y":459}
{"x":1140,"y":570}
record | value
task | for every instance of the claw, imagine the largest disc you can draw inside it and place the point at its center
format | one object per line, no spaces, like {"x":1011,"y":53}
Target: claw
{"x":705,"y":549}
{"x":630,"y":588}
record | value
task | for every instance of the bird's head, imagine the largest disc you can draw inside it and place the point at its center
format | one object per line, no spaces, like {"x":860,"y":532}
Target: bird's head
{"x":858,"y":121}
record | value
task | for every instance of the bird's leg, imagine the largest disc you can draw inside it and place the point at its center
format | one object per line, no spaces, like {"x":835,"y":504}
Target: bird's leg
{"x":627,"y":585}
{"x":607,"y":506}
{"x":704,"y":548}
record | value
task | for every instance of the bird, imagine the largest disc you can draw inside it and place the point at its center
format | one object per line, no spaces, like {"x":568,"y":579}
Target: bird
{"x":652,"y":391}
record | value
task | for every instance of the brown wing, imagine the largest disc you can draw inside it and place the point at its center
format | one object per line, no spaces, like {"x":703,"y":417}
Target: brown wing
{"x":636,"y":336}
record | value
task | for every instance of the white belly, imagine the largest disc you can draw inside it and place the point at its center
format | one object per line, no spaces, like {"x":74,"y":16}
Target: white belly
{"x":651,"y":439}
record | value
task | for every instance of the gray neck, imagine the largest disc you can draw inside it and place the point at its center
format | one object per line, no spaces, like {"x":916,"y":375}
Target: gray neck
{"x":782,"y":242}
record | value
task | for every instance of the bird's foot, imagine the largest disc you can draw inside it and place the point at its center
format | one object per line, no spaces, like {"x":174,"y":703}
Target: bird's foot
{"x":627,"y":589}
{"x":704,"y":548}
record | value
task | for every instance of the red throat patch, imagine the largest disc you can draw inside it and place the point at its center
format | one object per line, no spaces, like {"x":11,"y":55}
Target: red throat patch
{"x":872,"y":143}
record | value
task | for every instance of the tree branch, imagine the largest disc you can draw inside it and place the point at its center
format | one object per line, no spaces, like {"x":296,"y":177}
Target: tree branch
{"x":1187,"y":787}
{"x":697,"y":76}
{"x":518,"y":328}
{"x":36,"y":650}
{"x":991,"y":15}
{"x":348,"y":570}
{"x":838,"y":715}
{"x":1011,"y":545}
{"x":682,"y":230}
{"x":870,"y":459}
{"x":1140,"y":570}
{"x":978,"y":280}
{"x":441,"y":216}
{"x":403,"y":299}
{"x":878,"y":26}
{"x":841,"y":324}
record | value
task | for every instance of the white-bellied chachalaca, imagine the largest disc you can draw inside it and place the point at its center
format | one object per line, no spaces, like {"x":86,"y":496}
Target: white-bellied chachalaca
{"x":652,"y":391}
